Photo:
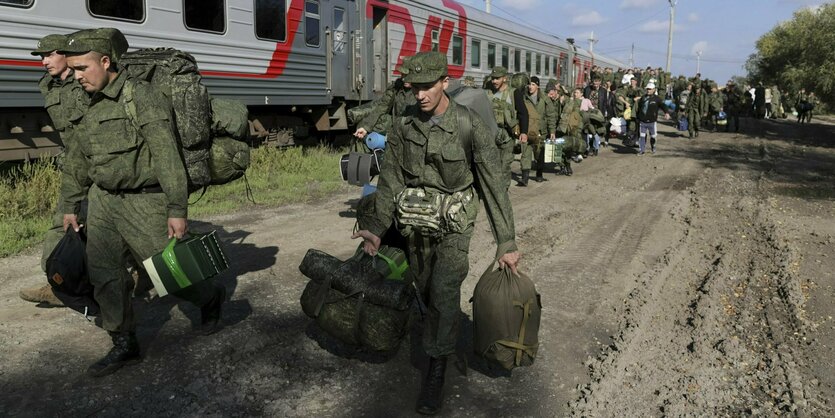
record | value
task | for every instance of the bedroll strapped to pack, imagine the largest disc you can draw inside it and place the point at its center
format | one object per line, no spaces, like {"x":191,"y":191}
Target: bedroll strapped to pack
{"x":506,"y":314}
{"x":230,"y":118}
{"x":175,"y":73}
{"x":353,"y":302}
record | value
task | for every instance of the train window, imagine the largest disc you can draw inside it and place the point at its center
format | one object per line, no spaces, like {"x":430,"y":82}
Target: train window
{"x":339,"y":34}
{"x":517,"y":60}
{"x":457,"y":50}
{"x":475,"y":54}
{"x":17,"y":3}
{"x":527,"y":62}
{"x":538,"y":64}
{"x":436,"y":40}
{"x":547,"y":65}
{"x":207,"y":15}
{"x":311,"y":23}
{"x":271,"y":20}
{"x":491,"y":55}
{"x":133,"y":10}
{"x":505,"y":57}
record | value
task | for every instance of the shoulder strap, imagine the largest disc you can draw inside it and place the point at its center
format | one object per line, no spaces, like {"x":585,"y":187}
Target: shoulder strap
{"x":130,"y":105}
{"x":465,"y":127}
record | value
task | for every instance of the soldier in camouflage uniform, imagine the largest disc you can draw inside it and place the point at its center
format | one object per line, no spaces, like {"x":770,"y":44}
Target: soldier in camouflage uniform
{"x":697,"y":109}
{"x":138,"y":197}
{"x":541,"y":114}
{"x":504,"y":108}
{"x":395,"y":99}
{"x":427,"y":154}
{"x":65,"y":103}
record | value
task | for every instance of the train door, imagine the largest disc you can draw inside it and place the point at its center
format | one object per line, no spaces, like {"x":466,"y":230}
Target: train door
{"x":339,"y":48}
{"x":379,"y":41}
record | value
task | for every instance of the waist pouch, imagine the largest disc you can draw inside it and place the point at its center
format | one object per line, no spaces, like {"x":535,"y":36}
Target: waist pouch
{"x":433,"y":214}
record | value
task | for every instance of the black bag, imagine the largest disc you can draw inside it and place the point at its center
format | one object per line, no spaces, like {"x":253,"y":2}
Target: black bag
{"x":353,"y":303}
{"x":66,"y":272}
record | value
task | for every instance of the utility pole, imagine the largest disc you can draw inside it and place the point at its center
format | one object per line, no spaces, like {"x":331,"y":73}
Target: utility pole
{"x":670,"y":35}
{"x":592,"y":41}
{"x":487,"y":6}
{"x":632,"y":56}
{"x":698,"y":62}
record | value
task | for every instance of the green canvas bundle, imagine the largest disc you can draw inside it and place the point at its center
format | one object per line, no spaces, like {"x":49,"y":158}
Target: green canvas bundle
{"x":361,"y":301}
{"x":229,"y":159}
{"x":186,"y":262}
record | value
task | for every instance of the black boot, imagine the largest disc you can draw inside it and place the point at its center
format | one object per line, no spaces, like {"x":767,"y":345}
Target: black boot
{"x":125,"y":352}
{"x":432,"y":390}
{"x":526,"y":174}
{"x":539,"y":178}
{"x":210,"y":312}
{"x":568,"y":170}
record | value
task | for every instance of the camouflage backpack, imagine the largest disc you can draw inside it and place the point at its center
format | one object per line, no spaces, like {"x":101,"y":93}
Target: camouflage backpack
{"x":175,"y":74}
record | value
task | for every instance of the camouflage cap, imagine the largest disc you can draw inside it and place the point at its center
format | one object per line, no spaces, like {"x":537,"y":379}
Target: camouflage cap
{"x":426,"y":67}
{"x":552,"y":85}
{"x":107,"y":41}
{"x":498,"y":71}
{"x":50,"y":43}
{"x":404,"y":66}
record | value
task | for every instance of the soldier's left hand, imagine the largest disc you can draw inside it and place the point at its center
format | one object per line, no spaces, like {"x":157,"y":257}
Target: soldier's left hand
{"x":510,"y":260}
{"x":177,"y":227}
{"x":523,"y":138}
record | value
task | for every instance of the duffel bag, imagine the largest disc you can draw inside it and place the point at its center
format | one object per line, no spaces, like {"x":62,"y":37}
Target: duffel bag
{"x":353,"y":302}
{"x":506,"y":314}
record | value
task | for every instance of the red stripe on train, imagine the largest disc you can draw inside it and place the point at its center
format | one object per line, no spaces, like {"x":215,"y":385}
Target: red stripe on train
{"x":21,"y":63}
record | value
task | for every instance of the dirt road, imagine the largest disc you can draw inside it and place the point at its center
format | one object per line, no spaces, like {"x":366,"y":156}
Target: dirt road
{"x":696,"y":281}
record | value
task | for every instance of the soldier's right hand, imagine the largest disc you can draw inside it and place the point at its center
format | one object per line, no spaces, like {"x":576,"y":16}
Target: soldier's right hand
{"x":523,"y":138}
{"x":71,"y":219}
{"x":371,"y":242}
{"x":360,"y":133}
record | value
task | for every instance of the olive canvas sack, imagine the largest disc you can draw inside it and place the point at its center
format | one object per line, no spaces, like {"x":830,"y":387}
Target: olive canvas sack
{"x":506,"y":314}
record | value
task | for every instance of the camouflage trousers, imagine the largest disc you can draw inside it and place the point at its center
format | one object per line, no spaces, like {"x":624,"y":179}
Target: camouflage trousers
{"x":533,"y":154}
{"x":122,"y":224}
{"x":694,"y":122}
{"x":439,"y":266}
{"x":506,"y":155}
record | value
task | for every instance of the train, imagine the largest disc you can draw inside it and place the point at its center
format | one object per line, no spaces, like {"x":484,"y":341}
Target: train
{"x":298,"y":65}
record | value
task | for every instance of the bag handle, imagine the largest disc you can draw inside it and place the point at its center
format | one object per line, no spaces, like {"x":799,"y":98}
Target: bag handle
{"x":173,"y":265}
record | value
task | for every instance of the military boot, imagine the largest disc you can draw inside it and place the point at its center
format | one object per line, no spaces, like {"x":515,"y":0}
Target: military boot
{"x":210,"y":312}
{"x":568,"y":170}
{"x":41,"y":294}
{"x":523,"y":182}
{"x":125,"y":352}
{"x":432,"y":389}
{"x":539,"y":178}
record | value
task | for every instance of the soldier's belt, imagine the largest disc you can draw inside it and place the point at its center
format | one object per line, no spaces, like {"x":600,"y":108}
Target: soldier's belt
{"x":140,"y":190}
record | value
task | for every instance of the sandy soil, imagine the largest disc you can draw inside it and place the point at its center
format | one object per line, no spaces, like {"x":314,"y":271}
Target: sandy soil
{"x":694,"y":282}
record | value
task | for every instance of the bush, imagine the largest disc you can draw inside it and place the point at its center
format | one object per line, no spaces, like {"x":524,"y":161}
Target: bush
{"x":29,"y":192}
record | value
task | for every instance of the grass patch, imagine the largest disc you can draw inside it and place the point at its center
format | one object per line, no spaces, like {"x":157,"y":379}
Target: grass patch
{"x":276,"y":177}
{"x":29,"y":191}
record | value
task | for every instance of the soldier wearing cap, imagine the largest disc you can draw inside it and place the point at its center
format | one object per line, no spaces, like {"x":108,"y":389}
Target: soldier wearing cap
{"x":395,"y":99}
{"x":65,"y":102}
{"x":542,"y":114}
{"x":138,"y":196}
{"x":511,"y":116}
{"x":427,"y":158}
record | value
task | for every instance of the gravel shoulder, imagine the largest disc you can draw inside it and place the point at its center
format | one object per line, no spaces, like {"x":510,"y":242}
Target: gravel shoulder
{"x":697,"y":281}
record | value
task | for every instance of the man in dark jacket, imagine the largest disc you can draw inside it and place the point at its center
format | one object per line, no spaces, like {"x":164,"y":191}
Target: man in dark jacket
{"x":648,"y":108}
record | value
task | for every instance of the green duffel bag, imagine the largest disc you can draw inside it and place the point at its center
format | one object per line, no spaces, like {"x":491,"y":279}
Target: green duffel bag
{"x":353,"y":302}
{"x":230,"y":118}
{"x":506,"y":314}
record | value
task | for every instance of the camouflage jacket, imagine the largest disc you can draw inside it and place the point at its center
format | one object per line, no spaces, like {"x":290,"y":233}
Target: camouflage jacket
{"x":545,"y":111}
{"x":698,"y":105}
{"x":504,"y":108}
{"x":65,"y":101}
{"x":116,"y":152}
{"x":394,"y":101}
{"x":420,"y":154}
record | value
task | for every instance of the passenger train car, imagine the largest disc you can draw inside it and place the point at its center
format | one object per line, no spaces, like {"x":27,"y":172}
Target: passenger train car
{"x":297,"y":64}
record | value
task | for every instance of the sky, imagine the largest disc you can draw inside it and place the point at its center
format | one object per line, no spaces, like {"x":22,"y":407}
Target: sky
{"x":725,"y":31}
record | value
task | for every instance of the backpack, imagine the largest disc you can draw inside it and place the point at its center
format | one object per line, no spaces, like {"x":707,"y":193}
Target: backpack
{"x":175,"y":73}
{"x":66,"y":272}
{"x":506,"y":314}
{"x":229,"y":118}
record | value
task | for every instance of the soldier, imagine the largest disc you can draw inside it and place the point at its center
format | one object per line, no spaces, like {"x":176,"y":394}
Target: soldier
{"x":633,"y":94}
{"x":540,"y":115}
{"x":571,"y":125}
{"x":733,"y":106}
{"x":395,"y":99}
{"x":427,"y":154}
{"x":138,"y":196}
{"x":507,"y":106}
{"x":715,"y":106}
{"x":65,"y":102}
{"x":696,"y":110}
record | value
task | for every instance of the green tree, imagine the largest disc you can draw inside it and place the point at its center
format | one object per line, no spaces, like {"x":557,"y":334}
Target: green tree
{"x":799,"y":53}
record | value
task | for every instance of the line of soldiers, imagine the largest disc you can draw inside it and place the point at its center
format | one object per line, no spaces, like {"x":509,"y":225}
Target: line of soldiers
{"x":126,"y":168}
